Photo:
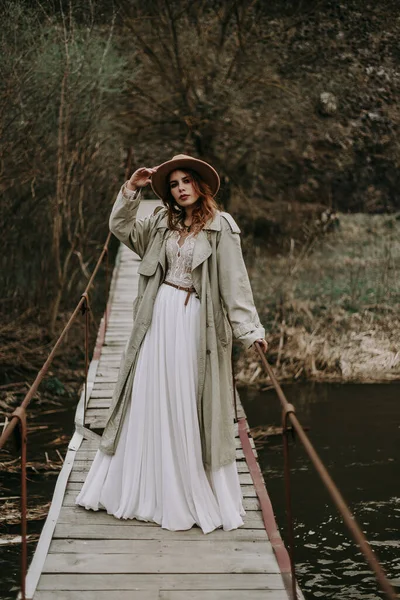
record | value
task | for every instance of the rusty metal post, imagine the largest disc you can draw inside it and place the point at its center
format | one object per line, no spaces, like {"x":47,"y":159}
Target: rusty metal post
{"x":107,"y":290}
{"x":20,"y":414}
{"x":234,"y":390}
{"x":85,"y":311}
{"x":288,"y":496}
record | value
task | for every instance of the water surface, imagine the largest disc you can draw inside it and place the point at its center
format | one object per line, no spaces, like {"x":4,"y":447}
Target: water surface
{"x":356,"y":431}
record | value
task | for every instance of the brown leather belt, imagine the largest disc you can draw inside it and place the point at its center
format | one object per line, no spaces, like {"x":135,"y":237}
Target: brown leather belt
{"x":189,"y":290}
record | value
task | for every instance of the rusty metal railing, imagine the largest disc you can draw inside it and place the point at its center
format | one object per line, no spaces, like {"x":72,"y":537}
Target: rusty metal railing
{"x":289,"y":414}
{"x":19,"y":414}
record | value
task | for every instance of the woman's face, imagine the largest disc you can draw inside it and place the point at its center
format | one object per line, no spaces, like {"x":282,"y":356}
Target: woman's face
{"x":182,"y":190}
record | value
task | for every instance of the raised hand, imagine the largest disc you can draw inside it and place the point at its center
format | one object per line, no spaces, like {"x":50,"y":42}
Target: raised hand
{"x":141,"y":177}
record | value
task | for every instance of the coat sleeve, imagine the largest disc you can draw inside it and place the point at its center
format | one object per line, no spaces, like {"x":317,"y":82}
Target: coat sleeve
{"x":234,"y":285}
{"x":133,"y":232}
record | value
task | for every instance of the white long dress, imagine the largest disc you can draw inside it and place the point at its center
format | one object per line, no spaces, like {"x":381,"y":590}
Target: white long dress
{"x":157,"y":473}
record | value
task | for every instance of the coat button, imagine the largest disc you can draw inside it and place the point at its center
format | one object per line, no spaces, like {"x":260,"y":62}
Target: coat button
{"x":208,"y":351}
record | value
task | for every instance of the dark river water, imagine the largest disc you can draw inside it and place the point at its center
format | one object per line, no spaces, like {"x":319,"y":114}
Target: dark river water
{"x":356,"y":431}
{"x":40,"y":487}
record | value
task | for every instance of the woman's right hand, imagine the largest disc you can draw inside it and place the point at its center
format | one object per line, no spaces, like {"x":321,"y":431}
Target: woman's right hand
{"x":140,"y":178}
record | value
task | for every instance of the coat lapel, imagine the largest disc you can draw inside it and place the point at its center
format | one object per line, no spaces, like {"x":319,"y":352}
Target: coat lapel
{"x":148,"y":264}
{"x":202,"y":248}
{"x":162,"y":225}
{"x":162,"y":257}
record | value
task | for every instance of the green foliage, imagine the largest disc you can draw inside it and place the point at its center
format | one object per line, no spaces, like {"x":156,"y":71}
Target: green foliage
{"x":55,"y":386}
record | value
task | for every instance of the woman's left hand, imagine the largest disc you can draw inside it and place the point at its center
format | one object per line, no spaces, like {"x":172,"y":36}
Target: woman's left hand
{"x":263,"y":343}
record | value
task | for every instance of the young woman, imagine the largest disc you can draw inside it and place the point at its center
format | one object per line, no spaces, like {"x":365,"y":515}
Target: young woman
{"x":167,"y":453}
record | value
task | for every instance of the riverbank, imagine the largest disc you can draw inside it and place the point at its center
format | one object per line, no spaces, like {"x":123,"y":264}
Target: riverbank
{"x":331,"y":308}
{"x":365,"y":353}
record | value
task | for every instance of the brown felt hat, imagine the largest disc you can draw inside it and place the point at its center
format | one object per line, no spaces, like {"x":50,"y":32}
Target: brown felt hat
{"x":159,"y":181}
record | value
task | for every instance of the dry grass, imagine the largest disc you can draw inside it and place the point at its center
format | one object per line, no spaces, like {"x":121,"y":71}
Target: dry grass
{"x":333,"y":314}
{"x":11,"y":512}
{"x":12,"y":540}
{"x":49,"y":466}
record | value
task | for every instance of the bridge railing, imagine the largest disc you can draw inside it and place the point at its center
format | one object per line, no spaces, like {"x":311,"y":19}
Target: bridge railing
{"x":18,"y":417}
{"x":289,"y":416}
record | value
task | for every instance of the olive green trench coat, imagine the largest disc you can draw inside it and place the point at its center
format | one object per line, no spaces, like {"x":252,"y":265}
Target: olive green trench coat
{"x":222,"y":285}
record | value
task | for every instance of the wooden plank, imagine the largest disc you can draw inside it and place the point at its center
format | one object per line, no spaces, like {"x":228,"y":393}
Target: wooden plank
{"x":91,"y":444}
{"x":107,"y":371}
{"x":164,"y":595}
{"x":80,"y":476}
{"x":248,"y":491}
{"x":123,"y":581}
{"x":83,"y":464}
{"x":137,"y":532}
{"x":110,"y":362}
{"x":161,"y":548}
{"x":90,"y":454}
{"x":223,"y":595}
{"x":102,"y":393}
{"x":113,"y":350}
{"x":176,"y":560}
{"x":79,"y":515}
{"x":104,"y":384}
{"x":94,"y":445}
{"x":98,"y":595}
{"x":248,"y":503}
{"x":98,"y":403}
{"x":90,"y":449}
{"x":117,"y":327}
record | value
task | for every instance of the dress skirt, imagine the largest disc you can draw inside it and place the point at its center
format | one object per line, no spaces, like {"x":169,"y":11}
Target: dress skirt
{"x":157,"y":472}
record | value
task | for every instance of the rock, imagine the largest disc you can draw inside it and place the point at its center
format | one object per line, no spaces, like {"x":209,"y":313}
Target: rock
{"x":327,"y":105}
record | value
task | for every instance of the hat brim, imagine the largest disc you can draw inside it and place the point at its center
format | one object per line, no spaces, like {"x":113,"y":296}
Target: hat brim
{"x":159,"y":181}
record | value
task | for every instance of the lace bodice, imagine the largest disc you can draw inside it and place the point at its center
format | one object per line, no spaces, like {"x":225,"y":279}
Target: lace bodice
{"x":179,"y":259}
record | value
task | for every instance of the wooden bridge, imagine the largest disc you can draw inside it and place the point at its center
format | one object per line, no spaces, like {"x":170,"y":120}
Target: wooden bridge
{"x":87,"y":555}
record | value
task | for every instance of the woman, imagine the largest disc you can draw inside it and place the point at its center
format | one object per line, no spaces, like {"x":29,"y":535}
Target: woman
{"x":167,"y":453}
